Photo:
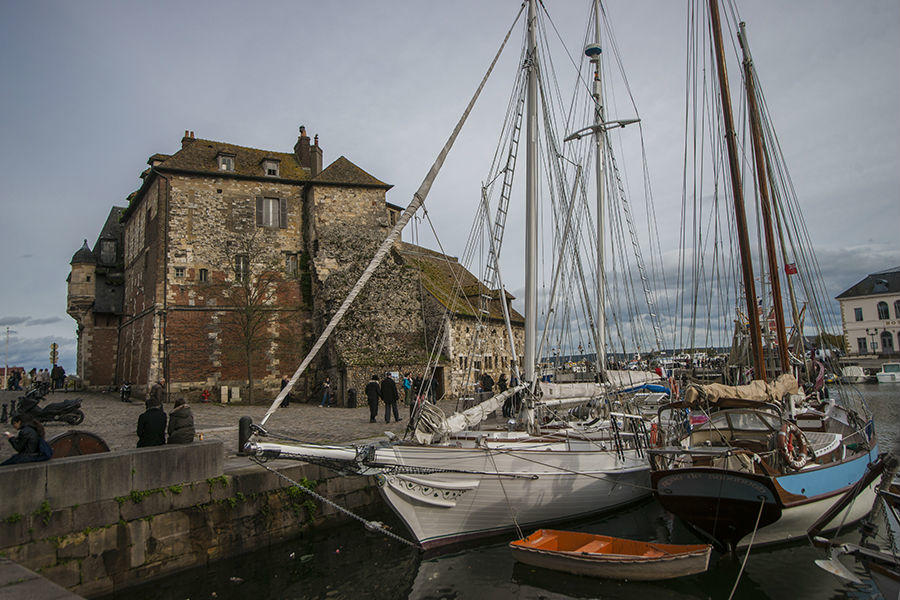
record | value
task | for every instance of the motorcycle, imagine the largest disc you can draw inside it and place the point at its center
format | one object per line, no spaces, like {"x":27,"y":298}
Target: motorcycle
{"x":125,"y":392}
{"x":67,"y":411}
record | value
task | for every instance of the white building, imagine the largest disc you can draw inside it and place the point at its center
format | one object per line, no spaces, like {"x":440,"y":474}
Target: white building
{"x":870,"y":311}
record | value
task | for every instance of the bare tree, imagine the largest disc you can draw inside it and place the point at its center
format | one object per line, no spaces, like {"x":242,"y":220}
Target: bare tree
{"x":249,"y":293}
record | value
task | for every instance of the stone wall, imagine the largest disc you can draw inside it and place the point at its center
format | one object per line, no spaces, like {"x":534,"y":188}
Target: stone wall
{"x":105,"y":522}
{"x":478,"y":351}
{"x":384,"y":329}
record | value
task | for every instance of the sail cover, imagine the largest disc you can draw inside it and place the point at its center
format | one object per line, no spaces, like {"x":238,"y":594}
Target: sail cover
{"x":756,"y":390}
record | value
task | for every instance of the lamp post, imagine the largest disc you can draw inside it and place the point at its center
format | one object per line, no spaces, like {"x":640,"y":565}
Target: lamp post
{"x":873,"y":334}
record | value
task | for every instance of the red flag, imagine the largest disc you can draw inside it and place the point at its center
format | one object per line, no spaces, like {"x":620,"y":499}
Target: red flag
{"x":790,"y":269}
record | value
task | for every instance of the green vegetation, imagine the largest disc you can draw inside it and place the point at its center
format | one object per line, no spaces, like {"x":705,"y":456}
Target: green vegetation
{"x":43,"y":512}
{"x":13,"y":518}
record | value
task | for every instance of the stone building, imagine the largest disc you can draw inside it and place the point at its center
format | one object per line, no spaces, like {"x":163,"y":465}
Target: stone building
{"x":230,"y":261}
{"x":870,"y":312}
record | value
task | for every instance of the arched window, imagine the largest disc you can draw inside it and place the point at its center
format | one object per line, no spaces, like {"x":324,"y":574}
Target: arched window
{"x":887,"y":342}
{"x":883,"y":312}
{"x":897,"y":309}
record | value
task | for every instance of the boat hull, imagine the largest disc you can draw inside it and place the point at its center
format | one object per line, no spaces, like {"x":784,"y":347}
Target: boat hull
{"x":534,"y":486}
{"x":724,"y":505}
{"x":888,"y":377}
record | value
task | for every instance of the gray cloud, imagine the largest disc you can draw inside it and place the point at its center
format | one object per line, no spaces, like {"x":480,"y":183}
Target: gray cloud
{"x":44,"y":321}
{"x":6,"y":321}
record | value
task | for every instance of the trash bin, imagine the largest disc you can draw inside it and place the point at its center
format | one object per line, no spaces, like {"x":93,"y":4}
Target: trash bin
{"x":351,"y":398}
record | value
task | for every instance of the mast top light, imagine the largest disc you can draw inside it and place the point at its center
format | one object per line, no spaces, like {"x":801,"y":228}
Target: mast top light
{"x":593,"y":51}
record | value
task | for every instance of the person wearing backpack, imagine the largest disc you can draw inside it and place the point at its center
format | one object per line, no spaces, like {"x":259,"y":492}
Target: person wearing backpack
{"x":29,"y":442}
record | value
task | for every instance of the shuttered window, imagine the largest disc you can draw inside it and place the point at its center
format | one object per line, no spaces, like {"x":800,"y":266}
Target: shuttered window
{"x":271,"y":212}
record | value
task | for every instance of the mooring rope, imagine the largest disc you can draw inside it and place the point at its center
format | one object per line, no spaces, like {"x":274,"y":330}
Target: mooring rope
{"x":370,"y":525}
{"x":762,"y":504}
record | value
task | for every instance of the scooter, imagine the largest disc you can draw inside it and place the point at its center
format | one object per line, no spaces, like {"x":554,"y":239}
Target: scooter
{"x":67,"y":411}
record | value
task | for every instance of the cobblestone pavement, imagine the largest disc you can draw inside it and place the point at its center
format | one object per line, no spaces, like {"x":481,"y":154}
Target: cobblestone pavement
{"x":116,"y":421}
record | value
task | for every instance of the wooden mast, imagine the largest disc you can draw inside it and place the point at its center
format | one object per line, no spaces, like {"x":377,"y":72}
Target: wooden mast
{"x":761,"y":176}
{"x":759,"y":364}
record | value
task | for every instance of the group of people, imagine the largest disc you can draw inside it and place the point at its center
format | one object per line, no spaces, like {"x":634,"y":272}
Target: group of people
{"x":54,"y":378}
{"x":414,"y":389}
{"x":484,"y":389}
{"x":152,"y":426}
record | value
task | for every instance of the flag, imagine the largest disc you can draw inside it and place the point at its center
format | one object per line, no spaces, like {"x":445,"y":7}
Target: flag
{"x":790,"y":268}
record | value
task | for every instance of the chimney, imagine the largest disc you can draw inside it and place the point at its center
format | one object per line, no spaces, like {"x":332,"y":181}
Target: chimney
{"x":187,"y":139}
{"x":301,"y":149}
{"x":315,"y":157}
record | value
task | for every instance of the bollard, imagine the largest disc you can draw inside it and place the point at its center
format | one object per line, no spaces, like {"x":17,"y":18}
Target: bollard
{"x":3,"y":414}
{"x":243,"y":433}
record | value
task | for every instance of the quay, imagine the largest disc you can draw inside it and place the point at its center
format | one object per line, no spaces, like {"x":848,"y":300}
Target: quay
{"x":104,"y":522}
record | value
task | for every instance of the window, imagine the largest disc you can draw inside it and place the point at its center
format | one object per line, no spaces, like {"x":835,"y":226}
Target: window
{"x":87,"y":277}
{"x":108,"y":252}
{"x":271,"y":212}
{"x":270,"y":167}
{"x":204,"y":275}
{"x":179,"y":272}
{"x":290,"y":264}
{"x":887,"y":342}
{"x":857,"y":313}
{"x":897,"y":309}
{"x":883,"y":312}
{"x":226,"y":162}
{"x":861,"y":346}
{"x":241,"y":268}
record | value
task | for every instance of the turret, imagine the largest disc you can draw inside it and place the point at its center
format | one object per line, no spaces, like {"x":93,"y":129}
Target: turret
{"x":82,"y":281}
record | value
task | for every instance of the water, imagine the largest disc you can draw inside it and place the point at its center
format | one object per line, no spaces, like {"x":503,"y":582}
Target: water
{"x":352,"y":563}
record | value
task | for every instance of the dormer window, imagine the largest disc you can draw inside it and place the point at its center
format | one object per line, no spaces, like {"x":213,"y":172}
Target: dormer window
{"x":226,"y":161}
{"x":270,"y":167}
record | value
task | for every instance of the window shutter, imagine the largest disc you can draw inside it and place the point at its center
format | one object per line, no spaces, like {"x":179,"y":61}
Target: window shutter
{"x":259,"y":211}
{"x":282,"y":221}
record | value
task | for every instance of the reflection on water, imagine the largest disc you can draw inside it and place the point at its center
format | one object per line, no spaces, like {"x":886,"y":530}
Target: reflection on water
{"x":350,"y":562}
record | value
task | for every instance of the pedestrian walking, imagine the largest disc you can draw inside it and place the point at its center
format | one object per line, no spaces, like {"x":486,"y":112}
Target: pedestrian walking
{"x":373,"y":393}
{"x":157,"y":393}
{"x":287,"y":398}
{"x":389,"y":396}
{"x":326,"y":393}
{"x":181,"y":424}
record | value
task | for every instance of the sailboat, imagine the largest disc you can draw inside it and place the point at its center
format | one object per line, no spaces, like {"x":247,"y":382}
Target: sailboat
{"x":449,"y":480}
{"x":758,"y":463}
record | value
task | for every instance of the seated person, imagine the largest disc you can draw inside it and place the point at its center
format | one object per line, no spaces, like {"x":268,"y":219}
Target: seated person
{"x":181,"y":424}
{"x":151,"y":426}
{"x":29,"y":442}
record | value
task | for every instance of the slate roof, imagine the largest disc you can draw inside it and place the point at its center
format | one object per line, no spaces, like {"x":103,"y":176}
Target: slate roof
{"x":454,"y":286}
{"x":344,"y":172}
{"x":883,"y":282}
{"x":83,"y":256}
{"x":201,"y":156}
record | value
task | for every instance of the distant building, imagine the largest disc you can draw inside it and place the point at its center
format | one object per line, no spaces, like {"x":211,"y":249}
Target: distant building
{"x":870,"y":311}
{"x":169,"y":287}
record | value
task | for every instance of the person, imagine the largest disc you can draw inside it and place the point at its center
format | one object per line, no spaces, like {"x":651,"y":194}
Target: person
{"x":157,"y":393}
{"x":501,"y":383}
{"x":151,"y":426}
{"x":407,"y":391}
{"x":181,"y":424}
{"x":433,"y":389}
{"x":287,"y":399}
{"x":373,"y":393}
{"x":326,"y":392}
{"x":29,"y":442}
{"x":389,"y":396}
{"x":487,"y":385}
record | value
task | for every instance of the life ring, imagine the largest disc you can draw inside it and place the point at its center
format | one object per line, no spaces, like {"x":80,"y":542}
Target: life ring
{"x":792,"y":445}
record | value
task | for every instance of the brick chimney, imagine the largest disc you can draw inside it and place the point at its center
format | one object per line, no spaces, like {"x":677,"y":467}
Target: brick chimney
{"x":187,"y":139}
{"x":301,"y":149}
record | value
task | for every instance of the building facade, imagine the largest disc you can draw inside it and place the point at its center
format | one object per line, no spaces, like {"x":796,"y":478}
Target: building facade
{"x":870,"y":311}
{"x":229,"y":262}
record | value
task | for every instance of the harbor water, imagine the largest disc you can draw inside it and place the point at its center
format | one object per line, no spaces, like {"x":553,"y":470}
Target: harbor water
{"x":353,"y":563}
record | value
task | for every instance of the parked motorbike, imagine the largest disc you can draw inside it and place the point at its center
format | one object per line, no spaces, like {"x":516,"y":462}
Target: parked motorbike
{"x":67,"y":411}
{"x":125,"y":392}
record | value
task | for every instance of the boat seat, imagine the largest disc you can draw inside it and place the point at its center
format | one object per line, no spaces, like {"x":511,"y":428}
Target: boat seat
{"x":593,"y":547}
{"x":653,"y":553}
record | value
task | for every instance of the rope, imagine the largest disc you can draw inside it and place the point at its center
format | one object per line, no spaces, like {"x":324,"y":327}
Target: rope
{"x":370,"y":525}
{"x":512,"y":513}
{"x":762,"y":503}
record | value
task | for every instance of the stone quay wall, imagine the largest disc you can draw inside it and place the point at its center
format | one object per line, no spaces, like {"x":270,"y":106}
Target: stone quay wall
{"x":101,"y":523}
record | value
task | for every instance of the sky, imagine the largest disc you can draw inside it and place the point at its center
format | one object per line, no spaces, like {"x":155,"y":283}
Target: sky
{"x":92,"y":88}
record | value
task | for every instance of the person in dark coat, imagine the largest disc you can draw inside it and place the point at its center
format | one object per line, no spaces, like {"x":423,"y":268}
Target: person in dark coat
{"x":390,"y":396}
{"x":151,"y":426}
{"x":157,"y":393}
{"x":373,"y":393}
{"x":181,"y":424}
{"x":27,"y":441}
{"x":287,"y":399}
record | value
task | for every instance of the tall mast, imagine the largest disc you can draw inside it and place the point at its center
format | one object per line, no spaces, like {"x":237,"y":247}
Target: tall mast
{"x":759,"y":364}
{"x":762,"y":178}
{"x":531,"y":208}
{"x":600,"y":158}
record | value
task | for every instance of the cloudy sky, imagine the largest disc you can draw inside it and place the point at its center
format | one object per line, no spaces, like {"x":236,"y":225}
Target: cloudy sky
{"x":91,"y":89}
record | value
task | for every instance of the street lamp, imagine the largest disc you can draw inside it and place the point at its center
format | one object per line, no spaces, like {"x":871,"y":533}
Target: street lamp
{"x":873,"y":333}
